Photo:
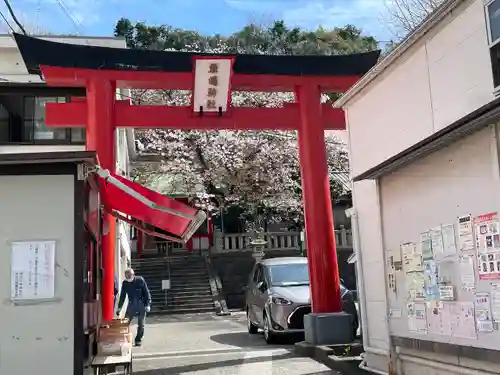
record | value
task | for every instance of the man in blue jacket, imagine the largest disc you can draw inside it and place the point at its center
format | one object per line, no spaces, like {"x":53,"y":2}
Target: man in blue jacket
{"x":139,"y":301}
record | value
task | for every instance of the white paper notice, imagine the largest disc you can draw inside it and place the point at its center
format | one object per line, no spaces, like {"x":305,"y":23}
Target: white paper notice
{"x":33,"y":270}
{"x":482,"y":308}
{"x":415,"y":286}
{"x":467,"y":275}
{"x":465,"y":234}
{"x":437,"y":243}
{"x":417,"y":319}
{"x":426,"y":245}
{"x":495,"y":302}
{"x":446,"y":321}
{"x":462,"y":320}
{"x":412,"y":258}
{"x":449,"y":241}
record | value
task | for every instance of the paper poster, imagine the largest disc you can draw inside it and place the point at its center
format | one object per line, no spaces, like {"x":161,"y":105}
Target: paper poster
{"x":33,"y":270}
{"x":414,"y":283}
{"x":465,"y":233}
{"x":446,"y":320}
{"x":391,"y":282}
{"x":462,"y":318}
{"x":467,"y":274}
{"x":438,"y":321}
{"x":431,"y":281}
{"x":436,"y":237}
{"x":487,"y":233}
{"x":425,"y":245}
{"x":488,"y":245}
{"x":417,"y":320}
{"x":449,"y":240}
{"x":395,"y":313}
{"x":446,"y":293}
{"x":412,"y":257}
{"x":495,"y":302}
{"x":489,"y":266}
{"x":482,"y":308}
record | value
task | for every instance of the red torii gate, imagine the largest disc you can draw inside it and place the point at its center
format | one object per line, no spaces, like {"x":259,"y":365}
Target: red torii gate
{"x":102,"y":70}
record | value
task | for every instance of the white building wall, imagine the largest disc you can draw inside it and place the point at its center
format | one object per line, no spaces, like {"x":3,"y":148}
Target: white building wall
{"x":439,"y":80}
{"x":12,"y":69}
{"x":443,"y":77}
{"x":12,"y":66}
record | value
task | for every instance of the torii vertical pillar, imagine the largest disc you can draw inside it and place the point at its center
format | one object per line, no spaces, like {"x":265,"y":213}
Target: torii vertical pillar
{"x":100,"y":137}
{"x":327,"y":324}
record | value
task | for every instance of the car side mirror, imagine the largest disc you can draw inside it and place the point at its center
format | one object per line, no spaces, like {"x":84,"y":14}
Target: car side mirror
{"x":261,"y":286}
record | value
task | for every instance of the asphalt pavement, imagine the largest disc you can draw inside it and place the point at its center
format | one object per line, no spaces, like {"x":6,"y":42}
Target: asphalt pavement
{"x":205,"y":344}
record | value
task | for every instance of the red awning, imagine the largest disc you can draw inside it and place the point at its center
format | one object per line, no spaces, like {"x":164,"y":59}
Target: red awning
{"x":146,"y":209}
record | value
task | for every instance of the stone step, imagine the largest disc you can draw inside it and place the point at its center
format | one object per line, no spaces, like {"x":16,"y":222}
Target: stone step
{"x":190,"y":281}
{"x":190,"y":292}
{"x":189,"y":276}
{"x":181,"y":267}
{"x":190,"y":304}
{"x":198,"y":293}
{"x":195,"y":260}
{"x":149,"y":262}
{"x":188,"y":270}
{"x":187,"y":300}
{"x":189,"y":285}
{"x":183,"y":310}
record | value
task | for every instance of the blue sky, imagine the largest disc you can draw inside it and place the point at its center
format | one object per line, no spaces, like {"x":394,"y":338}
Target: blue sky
{"x":98,"y":17}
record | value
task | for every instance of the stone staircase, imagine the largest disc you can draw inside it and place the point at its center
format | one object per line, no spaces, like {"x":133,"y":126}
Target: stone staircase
{"x":154,"y":270}
{"x":190,"y":290}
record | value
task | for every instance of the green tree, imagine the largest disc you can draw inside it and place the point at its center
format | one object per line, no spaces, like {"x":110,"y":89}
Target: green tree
{"x":276,"y":38}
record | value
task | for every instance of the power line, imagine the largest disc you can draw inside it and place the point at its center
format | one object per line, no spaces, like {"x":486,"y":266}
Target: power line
{"x":7,"y":22}
{"x":13,"y":15}
{"x":67,"y":12}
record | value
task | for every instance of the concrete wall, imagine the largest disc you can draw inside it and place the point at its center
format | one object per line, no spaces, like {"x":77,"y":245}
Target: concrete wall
{"x":37,"y":339}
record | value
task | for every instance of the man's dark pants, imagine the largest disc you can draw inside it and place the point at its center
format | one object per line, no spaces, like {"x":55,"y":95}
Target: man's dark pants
{"x":140,"y":313}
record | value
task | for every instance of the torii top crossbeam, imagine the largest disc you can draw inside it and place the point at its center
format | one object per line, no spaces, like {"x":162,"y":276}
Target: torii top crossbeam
{"x":173,"y":70}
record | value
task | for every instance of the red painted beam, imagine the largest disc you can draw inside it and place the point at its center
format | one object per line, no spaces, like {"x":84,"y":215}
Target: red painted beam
{"x":66,"y":115}
{"x":56,"y":76}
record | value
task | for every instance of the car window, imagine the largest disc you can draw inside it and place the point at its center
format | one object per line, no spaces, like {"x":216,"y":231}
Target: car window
{"x":289,"y":274}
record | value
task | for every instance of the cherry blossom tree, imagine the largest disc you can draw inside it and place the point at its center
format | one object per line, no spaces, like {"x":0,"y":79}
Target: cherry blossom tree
{"x":258,"y":172}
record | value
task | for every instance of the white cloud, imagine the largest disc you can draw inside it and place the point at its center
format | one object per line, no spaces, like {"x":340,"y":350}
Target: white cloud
{"x":366,"y":14}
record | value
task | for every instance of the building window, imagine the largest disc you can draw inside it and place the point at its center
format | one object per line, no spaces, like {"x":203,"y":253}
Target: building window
{"x":35,"y":129}
{"x":493,"y":24}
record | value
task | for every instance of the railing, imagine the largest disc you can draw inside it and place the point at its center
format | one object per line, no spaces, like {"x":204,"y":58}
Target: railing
{"x":274,"y":241}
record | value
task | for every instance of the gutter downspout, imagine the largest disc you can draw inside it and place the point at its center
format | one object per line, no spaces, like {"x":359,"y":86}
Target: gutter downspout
{"x":351,"y":213}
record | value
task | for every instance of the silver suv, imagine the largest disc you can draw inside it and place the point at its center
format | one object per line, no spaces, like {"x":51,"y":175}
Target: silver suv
{"x":278,"y":297}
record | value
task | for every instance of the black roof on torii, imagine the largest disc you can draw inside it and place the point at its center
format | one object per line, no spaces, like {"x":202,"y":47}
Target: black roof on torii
{"x":37,"y":52}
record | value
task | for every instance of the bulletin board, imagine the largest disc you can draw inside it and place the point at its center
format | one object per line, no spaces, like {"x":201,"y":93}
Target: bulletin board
{"x":441,"y":232}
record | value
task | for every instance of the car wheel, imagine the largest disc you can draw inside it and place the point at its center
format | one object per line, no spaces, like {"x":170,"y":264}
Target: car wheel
{"x":268,"y":335}
{"x":252,"y":328}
